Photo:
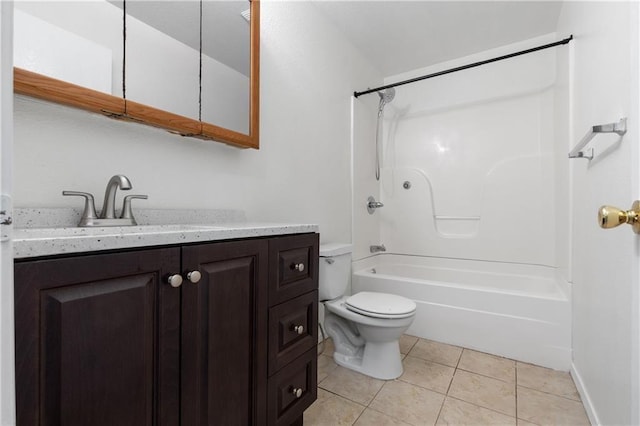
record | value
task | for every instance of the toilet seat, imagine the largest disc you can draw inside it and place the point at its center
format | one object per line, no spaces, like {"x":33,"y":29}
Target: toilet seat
{"x":380,"y":305}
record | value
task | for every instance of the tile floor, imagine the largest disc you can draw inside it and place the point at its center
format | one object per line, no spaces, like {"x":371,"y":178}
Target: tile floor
{"x":445,"y":385}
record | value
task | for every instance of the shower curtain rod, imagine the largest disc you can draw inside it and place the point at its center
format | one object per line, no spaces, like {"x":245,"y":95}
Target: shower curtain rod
{"x":464,"y":67}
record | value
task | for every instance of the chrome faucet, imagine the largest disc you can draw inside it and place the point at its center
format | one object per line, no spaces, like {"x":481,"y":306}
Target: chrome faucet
{"x":372,"y":204}
{"x":377,"y":249}
{"x":108,"y":214}
{"x":109,"y":205}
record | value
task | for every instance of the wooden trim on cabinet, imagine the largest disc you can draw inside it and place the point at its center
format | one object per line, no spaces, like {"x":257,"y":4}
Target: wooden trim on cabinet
{"x":254,"y":106}
{"x":51,"y":89}
{"x":149,"y":115}
{"x":228,"y":136}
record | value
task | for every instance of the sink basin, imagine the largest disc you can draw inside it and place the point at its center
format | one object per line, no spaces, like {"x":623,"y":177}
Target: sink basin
{"x":28,"y":233}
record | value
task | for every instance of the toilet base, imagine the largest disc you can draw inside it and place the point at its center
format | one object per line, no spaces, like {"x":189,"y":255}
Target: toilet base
{"x":378,"y":360}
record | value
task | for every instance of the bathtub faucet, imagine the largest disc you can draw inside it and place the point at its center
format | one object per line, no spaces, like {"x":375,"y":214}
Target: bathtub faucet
{"x":372,"y":204}
{"x":377,"y":249}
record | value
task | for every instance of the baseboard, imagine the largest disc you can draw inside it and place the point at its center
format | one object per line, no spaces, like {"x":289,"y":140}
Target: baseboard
{"x":586,"y":400}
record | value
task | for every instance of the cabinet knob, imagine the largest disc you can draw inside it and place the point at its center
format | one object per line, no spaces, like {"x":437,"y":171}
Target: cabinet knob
{"x":298,"y":329}
{"x":298,"y":267}
{"x":194,"y":276}
{"x":297,"y":392}
{"x":175,"y":280}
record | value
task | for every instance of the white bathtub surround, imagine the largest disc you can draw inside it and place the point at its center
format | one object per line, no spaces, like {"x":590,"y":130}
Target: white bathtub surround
{"x":476,"y":147}
{"x":516,"y":311}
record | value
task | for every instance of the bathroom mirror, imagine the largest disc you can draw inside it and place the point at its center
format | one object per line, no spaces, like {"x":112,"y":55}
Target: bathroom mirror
{"x":159,"y":90}
{"x":226,"y":67}
{"x":70,"y":53}
{"x":162,"y":56}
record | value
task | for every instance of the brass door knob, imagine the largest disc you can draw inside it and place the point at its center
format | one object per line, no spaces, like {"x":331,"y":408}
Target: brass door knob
{"x":610,"y":217}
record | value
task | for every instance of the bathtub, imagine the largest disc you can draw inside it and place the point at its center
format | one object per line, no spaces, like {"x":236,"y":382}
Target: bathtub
{"x":517,"y":311}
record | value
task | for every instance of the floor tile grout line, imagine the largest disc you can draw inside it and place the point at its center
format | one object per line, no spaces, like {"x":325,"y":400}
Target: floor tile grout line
{"x":484,"y":375}
{"x":344,"y":397}
{"x":552,"y":394}
{"x":430,"y":360}
{"x":379,"y":390}
{"x":359,"y":415}
{"x":483,"y":407}
{"x":441,"y":408}
{"x":422,"y":387}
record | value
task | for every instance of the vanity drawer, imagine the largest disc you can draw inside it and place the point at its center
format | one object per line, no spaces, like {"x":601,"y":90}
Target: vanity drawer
{"x":296,"y":267}
{"x":293,"y":389}
{"x":293,"y":329}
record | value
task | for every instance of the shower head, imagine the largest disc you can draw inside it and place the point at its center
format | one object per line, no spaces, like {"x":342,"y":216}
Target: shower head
{"x":387,"y":95}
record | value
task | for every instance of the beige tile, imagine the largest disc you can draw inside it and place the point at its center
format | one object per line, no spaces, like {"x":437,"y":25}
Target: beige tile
{"x":406,"y":343}
{"x":352,"y":385}
{"x":547,"y":380}
{"x":325,"y":366}
{"x":331,"y":410}
{"x":329,"y":347}
{"x":525,"y":423}
{"x":436,"y":352}
{"x":408,"y":403}
{"x":427,"y":374}
{"x":374,"y":418}
{"x":546,"y":409}
{"x":488,"y":365}
{"x":456,"y":412}
{"x":484,"y":391}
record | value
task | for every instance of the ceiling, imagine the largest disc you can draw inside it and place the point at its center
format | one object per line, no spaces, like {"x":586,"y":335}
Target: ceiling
{"x":399,"y":36}
{"x":395,"y":36}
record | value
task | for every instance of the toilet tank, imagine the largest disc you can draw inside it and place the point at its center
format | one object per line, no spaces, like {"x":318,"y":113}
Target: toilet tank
{"x":335,"y":270}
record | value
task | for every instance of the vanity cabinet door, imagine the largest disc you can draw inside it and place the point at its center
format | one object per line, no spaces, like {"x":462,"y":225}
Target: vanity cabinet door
{"x":224,"y":334}
{"x":97,"y":340}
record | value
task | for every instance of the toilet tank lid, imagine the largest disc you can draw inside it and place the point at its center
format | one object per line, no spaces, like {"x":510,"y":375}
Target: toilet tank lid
{"x":334,"y":249}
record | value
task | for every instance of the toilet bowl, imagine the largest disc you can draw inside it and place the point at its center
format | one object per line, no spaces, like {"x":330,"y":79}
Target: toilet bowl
{"x":366,"y":326}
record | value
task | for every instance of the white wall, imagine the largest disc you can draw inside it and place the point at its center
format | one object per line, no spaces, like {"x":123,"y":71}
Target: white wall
{"x":477,"y":147}
{"x":301,"y":172}
{"x":603,"y":88}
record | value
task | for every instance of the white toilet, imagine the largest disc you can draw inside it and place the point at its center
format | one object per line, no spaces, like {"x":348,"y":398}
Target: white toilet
{"x":365,"y":327}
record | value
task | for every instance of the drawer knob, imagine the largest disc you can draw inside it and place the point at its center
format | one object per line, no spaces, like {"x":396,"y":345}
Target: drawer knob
{"x":297,"y":392}
{"x":298,"y":267}
{"x":298,"y":329}
{"x":175,"y":280}
{"x":194,"y":276}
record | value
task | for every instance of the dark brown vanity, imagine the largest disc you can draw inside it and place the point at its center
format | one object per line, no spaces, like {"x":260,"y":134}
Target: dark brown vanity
{"x":114,"y":338}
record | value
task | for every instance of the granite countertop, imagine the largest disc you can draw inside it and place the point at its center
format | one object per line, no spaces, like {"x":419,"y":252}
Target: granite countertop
{"x":32,"y":239}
